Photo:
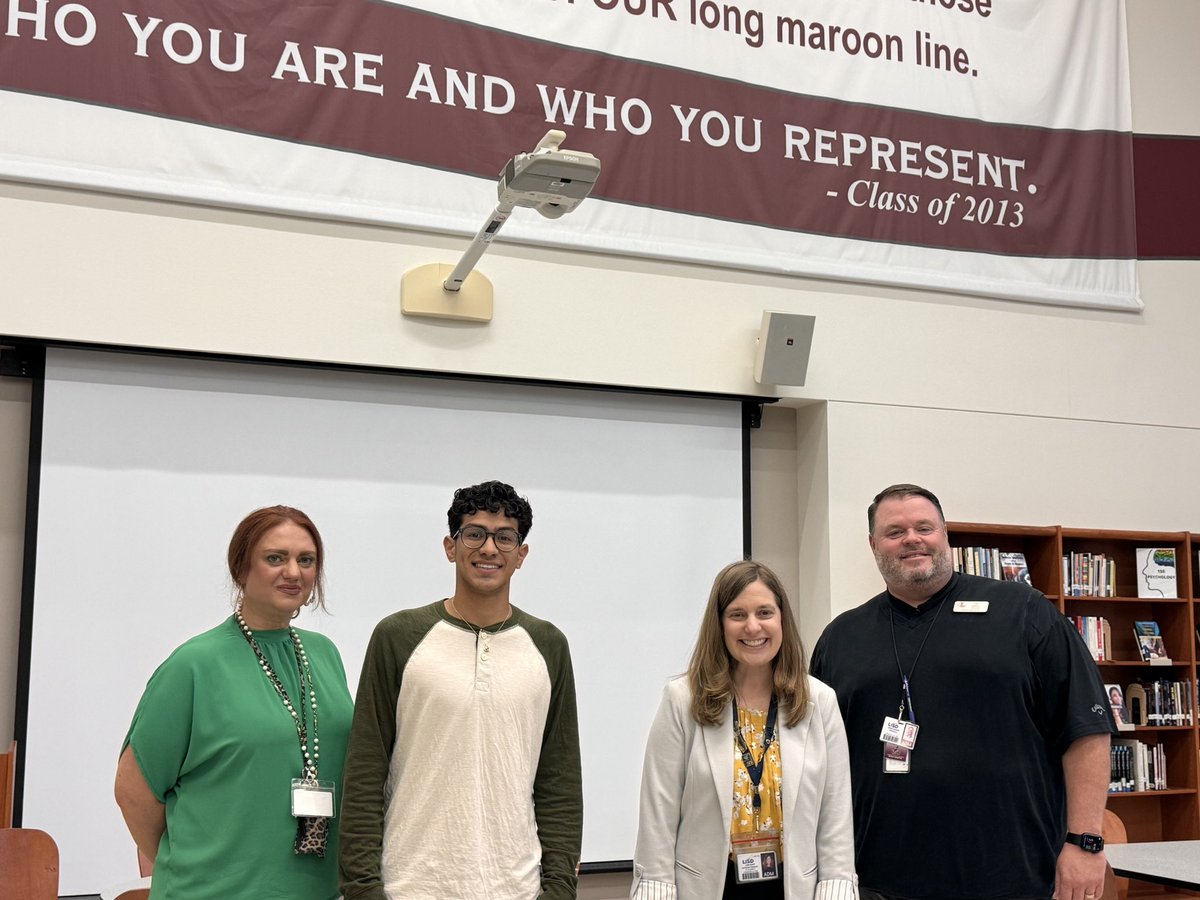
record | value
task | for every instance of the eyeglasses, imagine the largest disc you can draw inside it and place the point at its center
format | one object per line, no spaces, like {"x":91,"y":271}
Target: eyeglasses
{"x":475,"y":536}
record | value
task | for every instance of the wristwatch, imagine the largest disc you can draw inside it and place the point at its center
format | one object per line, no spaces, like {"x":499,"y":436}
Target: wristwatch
{"x":1087,"y":842}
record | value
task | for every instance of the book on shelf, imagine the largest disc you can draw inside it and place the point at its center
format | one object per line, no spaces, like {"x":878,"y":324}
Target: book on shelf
{"x":1135,"y":766}
{"x":1116,"y":701}
{"x":1156,"y":572}
{"x":1096,"y":634}
{"x":1089,"y":575}
{"x":1014,"y":568}
{"x":1150,"y":643}
{"x":981,"y":561}
{"x":1163,"y":702}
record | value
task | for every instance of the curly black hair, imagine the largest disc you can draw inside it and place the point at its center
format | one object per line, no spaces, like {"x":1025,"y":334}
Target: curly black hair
{"x":493,"y":497}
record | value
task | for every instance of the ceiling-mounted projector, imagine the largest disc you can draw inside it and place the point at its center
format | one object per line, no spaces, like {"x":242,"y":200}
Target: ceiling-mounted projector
{"x":551,"y":180}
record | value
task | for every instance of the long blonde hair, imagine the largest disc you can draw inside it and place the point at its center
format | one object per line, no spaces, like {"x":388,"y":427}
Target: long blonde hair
{"x":710,"y":672}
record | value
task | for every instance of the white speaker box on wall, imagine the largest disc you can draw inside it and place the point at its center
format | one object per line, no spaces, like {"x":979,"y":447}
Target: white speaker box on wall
{"x":784,"y":342}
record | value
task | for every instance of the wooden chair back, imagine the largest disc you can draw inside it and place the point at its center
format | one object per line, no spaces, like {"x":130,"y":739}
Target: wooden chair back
{"x":28,"y":865}
{"x":1114,"y":832}
{"x":8,"y":774}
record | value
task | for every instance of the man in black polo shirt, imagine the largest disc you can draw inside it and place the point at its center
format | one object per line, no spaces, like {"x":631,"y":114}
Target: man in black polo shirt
{"x":998,"y":792}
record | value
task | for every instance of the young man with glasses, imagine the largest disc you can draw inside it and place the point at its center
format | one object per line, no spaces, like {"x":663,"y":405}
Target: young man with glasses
{"x":462,"y":776}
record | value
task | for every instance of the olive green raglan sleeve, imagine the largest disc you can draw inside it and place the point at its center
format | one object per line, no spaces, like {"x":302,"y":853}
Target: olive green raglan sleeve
{"x":558,"y":783}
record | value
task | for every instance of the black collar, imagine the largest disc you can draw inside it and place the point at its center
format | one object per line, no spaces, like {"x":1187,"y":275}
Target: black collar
{"x":912,"y":612}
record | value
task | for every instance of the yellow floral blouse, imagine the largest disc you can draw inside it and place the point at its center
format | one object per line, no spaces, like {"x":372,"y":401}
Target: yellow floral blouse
{"x":752,"y":723}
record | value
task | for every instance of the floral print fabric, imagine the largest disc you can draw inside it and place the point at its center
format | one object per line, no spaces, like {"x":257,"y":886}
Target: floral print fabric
{"x":753,"y":723}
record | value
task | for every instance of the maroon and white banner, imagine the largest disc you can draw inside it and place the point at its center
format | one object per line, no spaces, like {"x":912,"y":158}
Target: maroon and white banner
{"x":981,"y":146}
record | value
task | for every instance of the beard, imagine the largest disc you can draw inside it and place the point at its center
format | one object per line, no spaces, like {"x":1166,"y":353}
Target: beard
{"x":939,"y":570}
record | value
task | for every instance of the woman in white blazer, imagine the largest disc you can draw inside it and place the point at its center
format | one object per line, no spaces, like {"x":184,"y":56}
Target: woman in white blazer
{"x":701,"y":834}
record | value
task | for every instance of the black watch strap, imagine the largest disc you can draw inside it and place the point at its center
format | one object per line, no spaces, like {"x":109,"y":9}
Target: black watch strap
{"x":1087,"y":842}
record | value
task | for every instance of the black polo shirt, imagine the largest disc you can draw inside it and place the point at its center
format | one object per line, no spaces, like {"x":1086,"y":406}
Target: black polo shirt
{"x":999,"y":696}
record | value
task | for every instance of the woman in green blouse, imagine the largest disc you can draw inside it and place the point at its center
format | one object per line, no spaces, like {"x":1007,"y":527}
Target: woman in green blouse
{"x":232,"y":767}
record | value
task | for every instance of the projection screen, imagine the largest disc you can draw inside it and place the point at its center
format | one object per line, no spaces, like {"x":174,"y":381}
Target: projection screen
{"x":148,"y":462}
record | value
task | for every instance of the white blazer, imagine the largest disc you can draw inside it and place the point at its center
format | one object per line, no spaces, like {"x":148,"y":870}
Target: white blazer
{"x":687,"y":803}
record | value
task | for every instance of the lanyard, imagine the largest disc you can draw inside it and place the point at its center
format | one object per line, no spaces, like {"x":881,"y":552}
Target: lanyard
{"x":309,"y":760}
{"x":755,"y":769}
{"x":906,"y":696}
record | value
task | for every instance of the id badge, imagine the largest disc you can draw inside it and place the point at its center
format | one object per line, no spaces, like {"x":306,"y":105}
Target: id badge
{"x":312,"y":798}
{"x":895,"y":759}
{"x":898,"y":732}
{"x":756,"y":857}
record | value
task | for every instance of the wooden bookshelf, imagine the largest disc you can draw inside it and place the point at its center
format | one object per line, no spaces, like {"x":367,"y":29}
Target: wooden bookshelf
{"x":1163,"y":815}
{"x":1193,"y":568}
{"x":1039,"y":544}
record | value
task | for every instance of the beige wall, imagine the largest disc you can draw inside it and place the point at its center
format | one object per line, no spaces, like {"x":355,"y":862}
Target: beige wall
{"x":1012,"y":412}
{"x":151,"y":273}
{"x":1162,"y":62}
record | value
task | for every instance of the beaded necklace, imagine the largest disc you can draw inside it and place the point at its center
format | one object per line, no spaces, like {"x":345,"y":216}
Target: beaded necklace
{"x":311,"y":760}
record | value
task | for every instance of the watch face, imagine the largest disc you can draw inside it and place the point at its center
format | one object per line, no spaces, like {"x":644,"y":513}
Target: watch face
{"x":1092,"y":843}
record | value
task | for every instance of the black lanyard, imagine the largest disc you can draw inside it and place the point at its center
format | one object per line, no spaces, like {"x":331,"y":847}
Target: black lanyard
{"x":906,"y":696}
{"x":755,"y":769}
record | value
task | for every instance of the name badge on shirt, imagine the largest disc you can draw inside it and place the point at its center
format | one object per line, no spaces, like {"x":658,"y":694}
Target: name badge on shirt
{"x":756,"y":857}
{"x":898,"y":732}
{"x":312,"y":798}
{"x":971,"y":606}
